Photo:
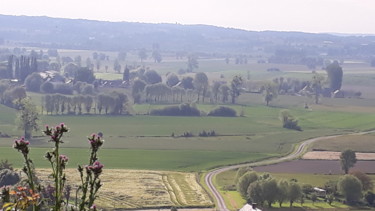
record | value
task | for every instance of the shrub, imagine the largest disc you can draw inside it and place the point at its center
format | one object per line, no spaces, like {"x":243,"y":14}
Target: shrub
{"x":47,"y":87}
{"x":4,"y":164}
{"x":207,"y":134}
{"x":8,"y":177}
{"x":187,"y":134}
{"x":61,"y":88}
{"x":181,"y":110}
{"x":288,"y":121}
{"x":33,"y":82}
{"x":223,"y":111}
{"x":307,"y":188}
{"x":88,"y":89}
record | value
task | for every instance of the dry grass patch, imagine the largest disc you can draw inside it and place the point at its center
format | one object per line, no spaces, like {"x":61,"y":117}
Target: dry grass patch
{"x":188,"y":190}
{"x":142,"y":188}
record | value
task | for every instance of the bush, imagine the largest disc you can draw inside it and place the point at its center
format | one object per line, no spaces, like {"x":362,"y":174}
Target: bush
{"x":223,"y":111}
{"x":88,"y":89}
{"x":307,"y":189}
{"x":181,"y":110}
{"x":47,"y":87}
{"x":4,"y":164}
{"x":61,"y":88}
{"x":33,"y":82}
{"x":187,"y":134}
{"x":289,"y":121}
{"x":8,"y":177}
{"x":207,"y":134}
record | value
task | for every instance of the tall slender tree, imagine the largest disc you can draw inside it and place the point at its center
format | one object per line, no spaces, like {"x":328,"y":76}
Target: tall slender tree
{"x":347,"y":160}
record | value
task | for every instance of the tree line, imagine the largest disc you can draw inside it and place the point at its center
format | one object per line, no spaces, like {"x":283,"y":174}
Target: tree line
{"x":113,"y":103}
{"x":264,"y":189}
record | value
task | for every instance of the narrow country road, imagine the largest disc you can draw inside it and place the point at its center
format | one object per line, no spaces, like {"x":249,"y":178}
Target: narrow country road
{"x":295,"y":154}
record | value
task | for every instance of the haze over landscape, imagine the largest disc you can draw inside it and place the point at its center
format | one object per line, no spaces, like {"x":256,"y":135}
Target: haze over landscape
{"x":317,"y":16}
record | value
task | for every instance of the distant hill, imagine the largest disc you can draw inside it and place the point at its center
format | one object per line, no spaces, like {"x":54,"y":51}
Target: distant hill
{"x":124,"y":36}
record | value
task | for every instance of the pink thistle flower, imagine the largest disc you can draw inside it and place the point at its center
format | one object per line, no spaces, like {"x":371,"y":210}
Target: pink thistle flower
{"x":64,"y":158}
{"x":21,"y":145}
{"x":96,"y":168}
{"x":95,"y":141}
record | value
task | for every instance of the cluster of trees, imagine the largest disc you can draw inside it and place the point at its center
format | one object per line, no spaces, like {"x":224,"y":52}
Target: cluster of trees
{"x":184,"y":109}
{"x":11,"y":94}
{"x":36,"y":83}
{"x":148,"y":87}
{"x":263,"y":188}
{"x":114,"y":103}
{"x":19,"y":67}
{"x":316,"y":87}
{"x":288,"y":120}
{"x":223,"y":111}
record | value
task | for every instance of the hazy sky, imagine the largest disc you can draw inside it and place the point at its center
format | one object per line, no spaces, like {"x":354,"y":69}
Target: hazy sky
{"x":342,"y":16}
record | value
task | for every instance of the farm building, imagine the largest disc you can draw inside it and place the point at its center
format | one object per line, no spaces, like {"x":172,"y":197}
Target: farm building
{"x":248,"y":207}
{"x":320,"y":192}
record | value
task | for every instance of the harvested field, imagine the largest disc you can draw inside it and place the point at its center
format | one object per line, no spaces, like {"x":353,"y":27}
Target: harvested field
{"x":142,"y":188}
{"x":316,"y":167}
{"x":329,"y":155}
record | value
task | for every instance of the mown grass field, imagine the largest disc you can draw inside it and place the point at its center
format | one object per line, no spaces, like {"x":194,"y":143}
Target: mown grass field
{"x":130,"y":189}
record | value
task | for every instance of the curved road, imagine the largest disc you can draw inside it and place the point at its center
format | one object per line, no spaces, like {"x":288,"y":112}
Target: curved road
{"x":295,"y":154}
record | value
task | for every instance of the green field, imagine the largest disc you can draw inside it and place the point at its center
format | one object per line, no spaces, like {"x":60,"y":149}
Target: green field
{"x":238,"y":137}
{"x":180,"y":160}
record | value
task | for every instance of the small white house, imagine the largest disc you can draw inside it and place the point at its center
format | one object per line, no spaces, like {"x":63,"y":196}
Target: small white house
{"x":320,"y":192}
{"x":249,"y":207}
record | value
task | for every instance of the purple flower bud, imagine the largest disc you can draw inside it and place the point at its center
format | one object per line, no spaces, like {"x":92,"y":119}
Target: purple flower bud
{"x":21,"y":145}
{"x":64,"y":158}
{"x":96,"y":168}
{"x":95,"y":141}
